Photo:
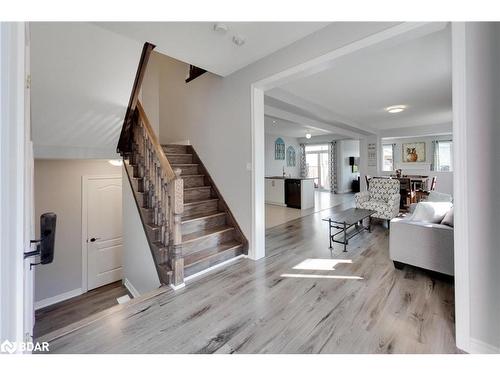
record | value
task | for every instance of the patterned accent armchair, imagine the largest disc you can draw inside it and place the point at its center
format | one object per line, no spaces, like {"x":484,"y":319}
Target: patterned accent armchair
{"x":382,"y":196}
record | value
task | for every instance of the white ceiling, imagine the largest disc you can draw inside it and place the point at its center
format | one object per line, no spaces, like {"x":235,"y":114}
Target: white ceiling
{"x":278,"y":126}
{"x":198,"y":44}
{"x":359,"y":87}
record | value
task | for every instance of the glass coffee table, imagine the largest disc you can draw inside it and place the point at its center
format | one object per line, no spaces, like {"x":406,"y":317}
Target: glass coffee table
{"x":346,"y":219}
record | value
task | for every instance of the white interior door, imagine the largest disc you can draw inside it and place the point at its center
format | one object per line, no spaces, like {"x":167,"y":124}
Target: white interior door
{"x":104,"y":231}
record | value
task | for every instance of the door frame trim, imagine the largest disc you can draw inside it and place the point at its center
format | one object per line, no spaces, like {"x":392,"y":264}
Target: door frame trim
{"x":85,"y":181}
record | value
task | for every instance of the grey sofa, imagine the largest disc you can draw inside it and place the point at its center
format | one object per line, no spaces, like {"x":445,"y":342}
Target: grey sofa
{"x":423,"y":244}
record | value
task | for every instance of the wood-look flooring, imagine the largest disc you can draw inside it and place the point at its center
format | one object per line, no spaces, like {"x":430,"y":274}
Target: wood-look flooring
{"x":364,"y":305}
{"x":64,"y":313}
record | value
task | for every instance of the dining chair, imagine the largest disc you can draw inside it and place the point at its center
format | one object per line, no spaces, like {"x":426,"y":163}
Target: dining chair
{"x":406,"y":192}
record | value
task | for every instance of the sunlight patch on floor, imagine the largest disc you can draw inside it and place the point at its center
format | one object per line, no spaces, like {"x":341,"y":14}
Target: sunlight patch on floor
{"x":320,"y":264}
{"x":310,"y":276}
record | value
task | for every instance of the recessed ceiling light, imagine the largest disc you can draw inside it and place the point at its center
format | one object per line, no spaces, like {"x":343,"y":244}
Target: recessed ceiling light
{"x":308,"y":135}
{"x":220,"y":28}
{"x":274,"y":122}
{"x":238,"y":40}
{"x":395,"y":108}
{"x":116,"y":162}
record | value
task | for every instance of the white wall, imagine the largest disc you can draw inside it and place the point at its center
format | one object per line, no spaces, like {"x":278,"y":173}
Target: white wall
{"x":15,"y":187}
{"x":82,"y":77}
{"x":58,"y":188}
{"x":275,"y":167}
{"x":364,"y":168}
{"x":139,"y":271}
{"x":345,"y":149}
{"x":444,"y":182}
{"x":150,"y":92}
{"x":478,"y":183}
{"x":215,"y":113}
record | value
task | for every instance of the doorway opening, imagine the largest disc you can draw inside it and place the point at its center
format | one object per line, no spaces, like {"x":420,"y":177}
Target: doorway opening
{"x":369,"y":143}
{"x":317,"y":166}
{"x":86,"y":275}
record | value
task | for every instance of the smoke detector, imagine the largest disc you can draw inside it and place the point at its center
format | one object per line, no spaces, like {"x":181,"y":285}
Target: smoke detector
{"x":238,"y":40}
{"x":220,"y":28}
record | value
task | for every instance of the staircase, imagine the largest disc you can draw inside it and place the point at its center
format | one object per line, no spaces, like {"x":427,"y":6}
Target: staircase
{"x":188,"y":225}
{"x":210,"y":235}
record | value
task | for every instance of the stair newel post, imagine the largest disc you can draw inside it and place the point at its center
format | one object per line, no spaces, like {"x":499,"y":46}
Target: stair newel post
{"x":177,"y":207}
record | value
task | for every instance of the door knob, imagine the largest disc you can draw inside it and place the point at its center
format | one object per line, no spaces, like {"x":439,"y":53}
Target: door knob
{"x":93,"y":239}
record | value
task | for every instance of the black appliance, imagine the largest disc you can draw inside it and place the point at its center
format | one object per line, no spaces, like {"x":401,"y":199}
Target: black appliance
{"x":355,"y":186}
{"x":292,"y":192}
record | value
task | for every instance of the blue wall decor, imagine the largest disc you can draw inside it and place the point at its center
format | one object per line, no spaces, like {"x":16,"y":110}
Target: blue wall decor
{"x":290,"y":156}
{"x":279,"y":149}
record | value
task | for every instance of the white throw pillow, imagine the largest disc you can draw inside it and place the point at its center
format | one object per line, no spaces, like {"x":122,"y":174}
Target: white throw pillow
{"x":431,"y":212}
{"x":436,"y":196}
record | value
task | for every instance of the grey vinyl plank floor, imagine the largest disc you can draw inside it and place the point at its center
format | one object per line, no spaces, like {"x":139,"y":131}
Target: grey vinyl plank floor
{"x":54,"y":317}
{"x":278,"y":305}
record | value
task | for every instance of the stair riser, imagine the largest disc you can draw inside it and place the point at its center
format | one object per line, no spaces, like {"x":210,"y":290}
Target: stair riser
{"x":203,"y":224}
{"x":200,"y":266}
{"x":180,"y":159}
{"x":208,"y":241}
{"x":185,"y":170}
{"x":137,"y":184}
{"x":197,"y":194}
{"x":141,"y":199}
{"x":153,"y":233}
{"x":200,"y":208}
{"x":175,"y":149}
{"x":161,"y":252}
{"x":147,"y":215}
{"x":193,"y":181}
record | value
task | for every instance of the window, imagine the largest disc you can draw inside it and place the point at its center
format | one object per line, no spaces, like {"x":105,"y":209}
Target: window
{"x":317,"y":165}
{"x":443,"y":152}
{"x":387,"y":157}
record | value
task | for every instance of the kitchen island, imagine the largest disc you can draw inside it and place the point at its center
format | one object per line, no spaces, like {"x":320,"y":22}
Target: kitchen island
{"x":290,"y":192}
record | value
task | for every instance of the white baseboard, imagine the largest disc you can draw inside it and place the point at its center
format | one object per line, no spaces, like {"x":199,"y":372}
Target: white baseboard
{"x":131,"y":288}
{"x":344,"y":191}
{"x":214,"y":267}
{"x":479,"y":347}
{"x":177,"y":287}
{"x":59,"y":298}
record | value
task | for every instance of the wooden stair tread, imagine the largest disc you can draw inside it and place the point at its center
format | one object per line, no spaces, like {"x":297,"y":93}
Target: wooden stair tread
{"x":192,"y":175}
{"x":198,"y":187}
{"x":199,"y":201}
{"x":200,"y":256}
{"x":202,"y":216}
{"x":184,"y":165}
{"x":205,"y":233}
{"x":175,"y":154}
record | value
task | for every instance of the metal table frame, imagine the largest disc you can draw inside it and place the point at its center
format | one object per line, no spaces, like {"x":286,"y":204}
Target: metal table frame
{"x":343,"y":227}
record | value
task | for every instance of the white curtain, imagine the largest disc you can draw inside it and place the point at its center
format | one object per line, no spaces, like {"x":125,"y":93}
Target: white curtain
{"x":435,"y":156}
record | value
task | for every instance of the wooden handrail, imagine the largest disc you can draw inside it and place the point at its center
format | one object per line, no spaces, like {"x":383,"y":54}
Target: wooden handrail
{"x":124,"y":143}
{"x":165,"y":165}
{"x":162,"y":188}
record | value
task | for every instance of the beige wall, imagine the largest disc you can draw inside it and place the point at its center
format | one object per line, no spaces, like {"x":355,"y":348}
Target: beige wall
{"x":58,"y":188}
